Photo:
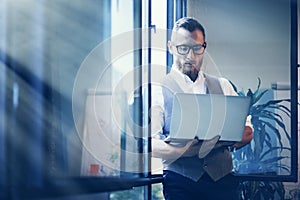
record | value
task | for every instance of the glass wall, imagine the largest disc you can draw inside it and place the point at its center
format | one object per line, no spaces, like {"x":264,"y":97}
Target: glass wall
{"x":103,"y":98}
{"x":69,"y":80}
{"x":72,"y":95}
{"x":42,"y":47}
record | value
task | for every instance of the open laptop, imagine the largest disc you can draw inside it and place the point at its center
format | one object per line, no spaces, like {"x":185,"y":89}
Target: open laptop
{"x":205,"y":116}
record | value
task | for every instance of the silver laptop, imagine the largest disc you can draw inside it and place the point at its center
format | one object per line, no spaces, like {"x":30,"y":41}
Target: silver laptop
{"x":205,"y":116}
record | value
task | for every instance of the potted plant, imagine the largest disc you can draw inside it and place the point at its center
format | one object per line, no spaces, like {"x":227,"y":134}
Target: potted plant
{"x":261,"y":155}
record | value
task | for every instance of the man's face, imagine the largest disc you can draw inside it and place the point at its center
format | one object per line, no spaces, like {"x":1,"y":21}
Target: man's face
{"x":191,"y":62}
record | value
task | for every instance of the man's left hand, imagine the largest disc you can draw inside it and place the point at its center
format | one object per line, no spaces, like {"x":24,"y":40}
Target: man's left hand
{"x":247,"y":137}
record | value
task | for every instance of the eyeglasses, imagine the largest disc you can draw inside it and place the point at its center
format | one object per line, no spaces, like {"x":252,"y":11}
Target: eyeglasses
{"x":185,"y":49}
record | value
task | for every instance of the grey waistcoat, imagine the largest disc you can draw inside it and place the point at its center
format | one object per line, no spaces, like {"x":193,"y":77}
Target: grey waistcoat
{"x":218,"y":162}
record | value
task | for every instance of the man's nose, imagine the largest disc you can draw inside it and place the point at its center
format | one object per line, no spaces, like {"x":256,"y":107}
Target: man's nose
{"x":191,"y":54}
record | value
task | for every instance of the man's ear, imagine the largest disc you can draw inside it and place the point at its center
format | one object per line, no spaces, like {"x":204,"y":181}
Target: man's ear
{"x":170,"y":47}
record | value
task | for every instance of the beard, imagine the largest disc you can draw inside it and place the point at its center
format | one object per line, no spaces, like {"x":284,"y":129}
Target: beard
{"x":191,"y":72}
{"x":190,"y":69}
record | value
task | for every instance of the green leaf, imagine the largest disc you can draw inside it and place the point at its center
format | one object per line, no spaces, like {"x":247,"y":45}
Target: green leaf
{"x":273,"y":160}
{"x":262,"y":137}
{"x":275,"y":130}
{"x":259,"y":96}
{"x":250,"y":93}
{"x":279,"y":123}
{"x":258,"y":86}
{"x":268,"y":115}
{"x":282,"y":126}
{"x":272,"y":114}
{"x":267,"y":105}
{"x":268,"y":141}
{"x":273,"y":102}
{"x":241,"y":93}
{"x":282,"y":108}
{"x":284,"y":167}
{"x":259,"y":82}
{"x":233,"y":86}
{"x":258,"y":141}
{"x":273,"y":149}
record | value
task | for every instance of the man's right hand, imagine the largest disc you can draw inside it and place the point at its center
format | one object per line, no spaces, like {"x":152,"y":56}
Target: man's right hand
{"x":190,"y":149}
{"x":161,"y":149}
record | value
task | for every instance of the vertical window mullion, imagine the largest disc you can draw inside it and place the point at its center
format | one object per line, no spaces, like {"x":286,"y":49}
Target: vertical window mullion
{"x":138,"y":115}
{"x":294,"y":88}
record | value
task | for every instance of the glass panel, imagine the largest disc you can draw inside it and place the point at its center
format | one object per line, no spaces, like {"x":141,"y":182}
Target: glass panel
{"x":111,"y":126}
{"x":69,"y":76}
{"x":249,"y":44}
{"x":92,"y":112}
{"x":67,"y":82}
{"x":136,"y":193}
{"x":157,"y":193}
{"x":158,"y":56}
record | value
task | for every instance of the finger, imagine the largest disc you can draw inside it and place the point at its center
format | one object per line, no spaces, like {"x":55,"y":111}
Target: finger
{"x":194,"y":141}
{"x":191,"y":148}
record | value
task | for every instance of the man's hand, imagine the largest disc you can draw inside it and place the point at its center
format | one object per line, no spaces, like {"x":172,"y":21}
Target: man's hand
{"x":161,"y":149}
{"x":207,"y":146}
{"x":190,"y":149}
{"x":247,"y":137}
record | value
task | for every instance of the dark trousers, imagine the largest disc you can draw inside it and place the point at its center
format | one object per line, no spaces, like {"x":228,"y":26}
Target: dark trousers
{"x":177,"y":187}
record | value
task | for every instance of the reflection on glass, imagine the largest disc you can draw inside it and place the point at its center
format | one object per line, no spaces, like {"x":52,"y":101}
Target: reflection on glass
{"x":110,"y":145}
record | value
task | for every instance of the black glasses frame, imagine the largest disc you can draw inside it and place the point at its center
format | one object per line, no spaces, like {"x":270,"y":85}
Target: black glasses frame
{"x":191,"y":47}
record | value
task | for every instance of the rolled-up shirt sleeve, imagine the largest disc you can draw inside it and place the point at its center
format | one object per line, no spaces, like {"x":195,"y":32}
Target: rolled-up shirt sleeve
{"x":249,"y":123}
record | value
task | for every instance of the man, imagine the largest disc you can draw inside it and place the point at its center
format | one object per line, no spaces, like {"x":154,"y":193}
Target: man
{"x":195,"y":170}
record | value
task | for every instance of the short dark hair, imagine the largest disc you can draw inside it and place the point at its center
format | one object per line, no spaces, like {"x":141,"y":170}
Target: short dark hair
{"x":189,"y":24}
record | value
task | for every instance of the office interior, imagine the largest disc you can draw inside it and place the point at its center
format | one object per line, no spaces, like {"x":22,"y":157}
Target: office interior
{"x":75,"y":91}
